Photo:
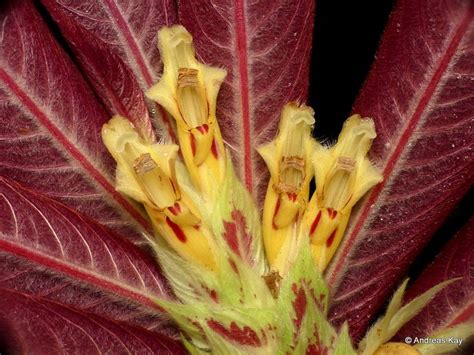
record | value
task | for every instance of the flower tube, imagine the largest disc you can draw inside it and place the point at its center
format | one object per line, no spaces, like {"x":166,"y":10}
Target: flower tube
{"x":288,"y":158}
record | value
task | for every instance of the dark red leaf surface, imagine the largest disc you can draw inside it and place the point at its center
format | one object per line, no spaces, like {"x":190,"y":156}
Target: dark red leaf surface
{"x":50,"y":124}
{"x":455,"y":304}
{"x":419,"y":93}
{"x":265,"y":47}
{"x":115,"y":43}
{"x":33,"y":325}
{"x":49,"y":251}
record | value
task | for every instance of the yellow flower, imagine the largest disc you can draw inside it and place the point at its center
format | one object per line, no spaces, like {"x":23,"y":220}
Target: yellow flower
{"x":188,"y":91}
{"x":288,"y":158}
{"x":396,"y":349}
{"x":146,"y":173}
{"x":343,"y":175}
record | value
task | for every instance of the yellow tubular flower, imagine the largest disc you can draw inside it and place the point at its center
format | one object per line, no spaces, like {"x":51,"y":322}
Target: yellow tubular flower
{"x":146,"y":173}
{"x":188,"y":91}
{"x":396,"y":349}
{"x":343,"y":175}
{"x":288,"y":158}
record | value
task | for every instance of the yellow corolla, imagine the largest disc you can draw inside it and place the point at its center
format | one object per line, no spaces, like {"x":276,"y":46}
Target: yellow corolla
{"x":146,"y":173}
{"x":288,"y":158}
{"x":343,"y":175}
{"x":188,"y":91}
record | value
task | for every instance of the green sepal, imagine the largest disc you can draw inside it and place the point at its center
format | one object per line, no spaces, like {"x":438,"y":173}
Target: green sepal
{"x":343,"y":345}
{"x":304,"y":284}
{"x":396,"y":316}
{"x":235,"y":207}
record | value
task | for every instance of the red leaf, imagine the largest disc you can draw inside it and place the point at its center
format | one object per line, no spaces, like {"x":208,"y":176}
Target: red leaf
{"x":34,"y":325}
{"x":50,"y":251}
{"x":50,"y":124}
{"x":455,"y":304}
{"x":420,"y":94}
{"x":115,"y":44}
{"x":265,"y":47}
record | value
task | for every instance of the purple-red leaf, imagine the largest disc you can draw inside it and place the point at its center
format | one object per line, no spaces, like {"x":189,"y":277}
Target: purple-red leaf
{"x":419,"y":93}
{"x":455,"y":304}
{"x":265,"y":47}
{"x":50,"y":124}
{"x":34,"y":325}
{"x":115,"y":44}
{"x":50,"y":251}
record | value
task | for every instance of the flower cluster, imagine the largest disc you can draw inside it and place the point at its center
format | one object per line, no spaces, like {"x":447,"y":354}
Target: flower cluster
{"x":231,"y":298}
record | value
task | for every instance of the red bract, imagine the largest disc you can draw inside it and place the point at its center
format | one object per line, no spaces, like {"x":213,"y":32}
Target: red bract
{"x":115,"y":44}
{"x":69,"y":280}
{"x":51,"y":124}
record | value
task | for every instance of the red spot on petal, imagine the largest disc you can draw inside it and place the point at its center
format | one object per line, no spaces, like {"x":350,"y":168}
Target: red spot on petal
{"x":176,"y":230}
{"x":243,"y":336}
{"x":203,"y":128}
{"x":331,"y":238}
{"x":193,"y":144}
{"x":175,"y":209}
{"x":292,"y":196}
{"x":277,"y":208}
{"x":332,"y":213}
{"x":315,"y":223}
{"x":214,"y":151}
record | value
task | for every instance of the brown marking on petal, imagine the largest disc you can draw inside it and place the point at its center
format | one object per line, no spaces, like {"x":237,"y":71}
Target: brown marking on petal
{"x":346,"y":163}
{"x":331,"y":238}
{"x":187,"y":77}
{"x":176,"y":230}
{"x":144,"y":163}
{"x":332,"y":213}
{"x":315,"y":223}
{"x":243,"y":336}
